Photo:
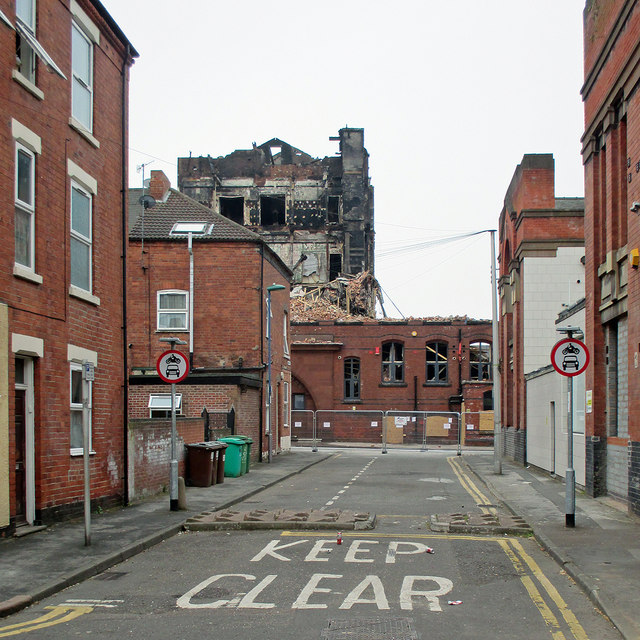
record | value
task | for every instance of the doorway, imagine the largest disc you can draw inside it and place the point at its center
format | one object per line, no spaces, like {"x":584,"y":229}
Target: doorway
{"x":24,"y":442}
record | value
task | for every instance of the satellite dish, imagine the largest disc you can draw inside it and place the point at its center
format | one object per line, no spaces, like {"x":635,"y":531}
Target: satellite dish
{"x":147,"y":202}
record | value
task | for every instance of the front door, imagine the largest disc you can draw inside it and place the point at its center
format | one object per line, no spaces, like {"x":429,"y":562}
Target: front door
{"x":21,"y":457}
{"x":24,"y":442}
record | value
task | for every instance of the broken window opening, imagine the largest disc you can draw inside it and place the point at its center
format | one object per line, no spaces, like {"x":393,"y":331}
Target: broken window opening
{"x":480,"y":361}
{"x":333,"y":208}
{"x":233,"y":208}
{"x":352,"y":379}
{"x":487,"y":401}
{"x":275,"y":153}
{"x":272,"y":210}
{"x":437,"y":369}
{"x":392,"y":362}
{"x":335,"y":266}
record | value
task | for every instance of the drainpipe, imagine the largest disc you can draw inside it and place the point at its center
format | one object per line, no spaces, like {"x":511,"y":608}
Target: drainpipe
{"x":261,"y":422}
{"x":190,"y":245}
{"x":125,"y":238}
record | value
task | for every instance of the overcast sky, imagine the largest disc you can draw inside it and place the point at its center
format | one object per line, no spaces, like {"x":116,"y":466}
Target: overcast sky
{"x":451,"y":95}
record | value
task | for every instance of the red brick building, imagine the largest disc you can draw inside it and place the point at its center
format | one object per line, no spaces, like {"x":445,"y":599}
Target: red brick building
{"x":431,"y":365}
{"x":541,"y":258}
{"x":221,"y":315}
{"x":611,"y":157}
{"x":63,"y":171}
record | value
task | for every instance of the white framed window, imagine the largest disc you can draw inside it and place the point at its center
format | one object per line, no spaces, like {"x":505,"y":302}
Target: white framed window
{"x":285,"y":333}
{"x":25,"y":54}
{"x":81,"y":237}
{"x":76,"y":403}
{"x":82,"y":81}
{"x":285,"y":404}
{"x":25,"y":207}
{"x":28,"y":47}
{"x":173,"y":311}
{"x":160,"y":405}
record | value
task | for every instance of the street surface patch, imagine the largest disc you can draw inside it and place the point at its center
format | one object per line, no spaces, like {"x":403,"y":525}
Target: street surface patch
{"x":370,"y":629}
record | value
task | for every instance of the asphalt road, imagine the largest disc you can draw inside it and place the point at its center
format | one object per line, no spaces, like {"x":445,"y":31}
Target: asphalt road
{"x":380,"y":584}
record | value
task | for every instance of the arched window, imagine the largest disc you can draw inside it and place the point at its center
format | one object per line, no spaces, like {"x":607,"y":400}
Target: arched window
{"x":393,"y":362}
{"x":352,"y":379}
{"x":437,"y":364}
{"x":480,"y":360}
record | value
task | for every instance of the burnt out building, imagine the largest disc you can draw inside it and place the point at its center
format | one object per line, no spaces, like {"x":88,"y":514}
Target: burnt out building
{"x":315,"y":213}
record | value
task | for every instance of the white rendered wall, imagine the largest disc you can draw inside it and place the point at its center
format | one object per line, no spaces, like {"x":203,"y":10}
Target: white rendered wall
{"x":547,"y":285}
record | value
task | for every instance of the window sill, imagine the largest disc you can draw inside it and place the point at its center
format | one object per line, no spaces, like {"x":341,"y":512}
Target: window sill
{"x":393,"y":384}
{"x":172,"y":330}
{"x":352,"y":401}
{"x":436,"y":384}
{"x":82,"y":130}
{"x":26,"y":274}
{"x":76,"y":292}
{"x":27,"y":84}
{"x":77,"y":453}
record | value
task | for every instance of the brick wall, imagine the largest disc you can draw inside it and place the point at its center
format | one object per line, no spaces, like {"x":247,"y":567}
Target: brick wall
{"x":611,"y":152}
{"x":149,"y":445}
{"x":320,"y":350}
{"x":45,"y":310}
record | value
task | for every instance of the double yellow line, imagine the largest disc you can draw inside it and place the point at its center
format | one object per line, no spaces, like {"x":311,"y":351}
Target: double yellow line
{"x":526,"y":568}
{"x":472,"y":489}
{"x":58,"y":615}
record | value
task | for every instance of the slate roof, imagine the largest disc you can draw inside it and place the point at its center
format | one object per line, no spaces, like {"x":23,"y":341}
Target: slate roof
{"x":159,"y":220}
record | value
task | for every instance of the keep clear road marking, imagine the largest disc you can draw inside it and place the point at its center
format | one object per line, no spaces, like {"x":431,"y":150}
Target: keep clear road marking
{"x":348,"y":485}
{"x":515,"y":552}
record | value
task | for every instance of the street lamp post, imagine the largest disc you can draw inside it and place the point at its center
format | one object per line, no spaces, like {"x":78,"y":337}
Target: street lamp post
{"x":273,"y":287}
{"x":495,"y":362}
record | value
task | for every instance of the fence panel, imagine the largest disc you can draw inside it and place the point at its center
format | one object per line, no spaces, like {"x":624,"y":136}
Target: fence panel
{"x":477,"y":428}
{"x":421,"y":429}
{"x":302,"y":425}
{"x":358,"y":427}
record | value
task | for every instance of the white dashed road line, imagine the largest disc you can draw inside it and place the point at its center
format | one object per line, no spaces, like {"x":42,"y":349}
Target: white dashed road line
{"x":348,"y":485}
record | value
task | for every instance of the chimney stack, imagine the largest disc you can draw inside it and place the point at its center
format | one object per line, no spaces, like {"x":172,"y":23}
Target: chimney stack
{"x":159,"y":185}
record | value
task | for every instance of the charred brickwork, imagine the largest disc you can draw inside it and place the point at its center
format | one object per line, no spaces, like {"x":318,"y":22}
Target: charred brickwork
{"x":315,"y":213}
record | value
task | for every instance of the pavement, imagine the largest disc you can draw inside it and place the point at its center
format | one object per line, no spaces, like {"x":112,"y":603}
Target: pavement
{"x":602,"y":552}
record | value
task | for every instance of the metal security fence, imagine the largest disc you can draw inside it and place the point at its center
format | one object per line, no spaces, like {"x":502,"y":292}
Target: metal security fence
{"x":363,"y":427}
{"x":477,"y":427}
{"x":303,"y":424}
{"x":422,"y":429}
{"x":392,"y":429}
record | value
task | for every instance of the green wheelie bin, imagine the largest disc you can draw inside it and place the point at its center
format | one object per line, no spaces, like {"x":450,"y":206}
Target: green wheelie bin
{"x":248,"y":441}
{"x":235,"y":458}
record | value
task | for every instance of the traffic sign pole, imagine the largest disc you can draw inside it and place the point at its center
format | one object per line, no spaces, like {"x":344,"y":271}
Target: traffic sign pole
{"x":570,"y":479}
{"x":173,"y":471}
{"x":570,"y":358}
{"x":173,"y":364}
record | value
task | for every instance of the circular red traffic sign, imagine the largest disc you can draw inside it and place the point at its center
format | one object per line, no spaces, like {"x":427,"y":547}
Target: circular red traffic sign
{"x":570,"y":357}
{"x":172,"y":366}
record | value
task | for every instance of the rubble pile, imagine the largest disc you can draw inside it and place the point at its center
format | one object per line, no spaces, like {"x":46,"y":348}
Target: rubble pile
{"x":345,"y":298}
